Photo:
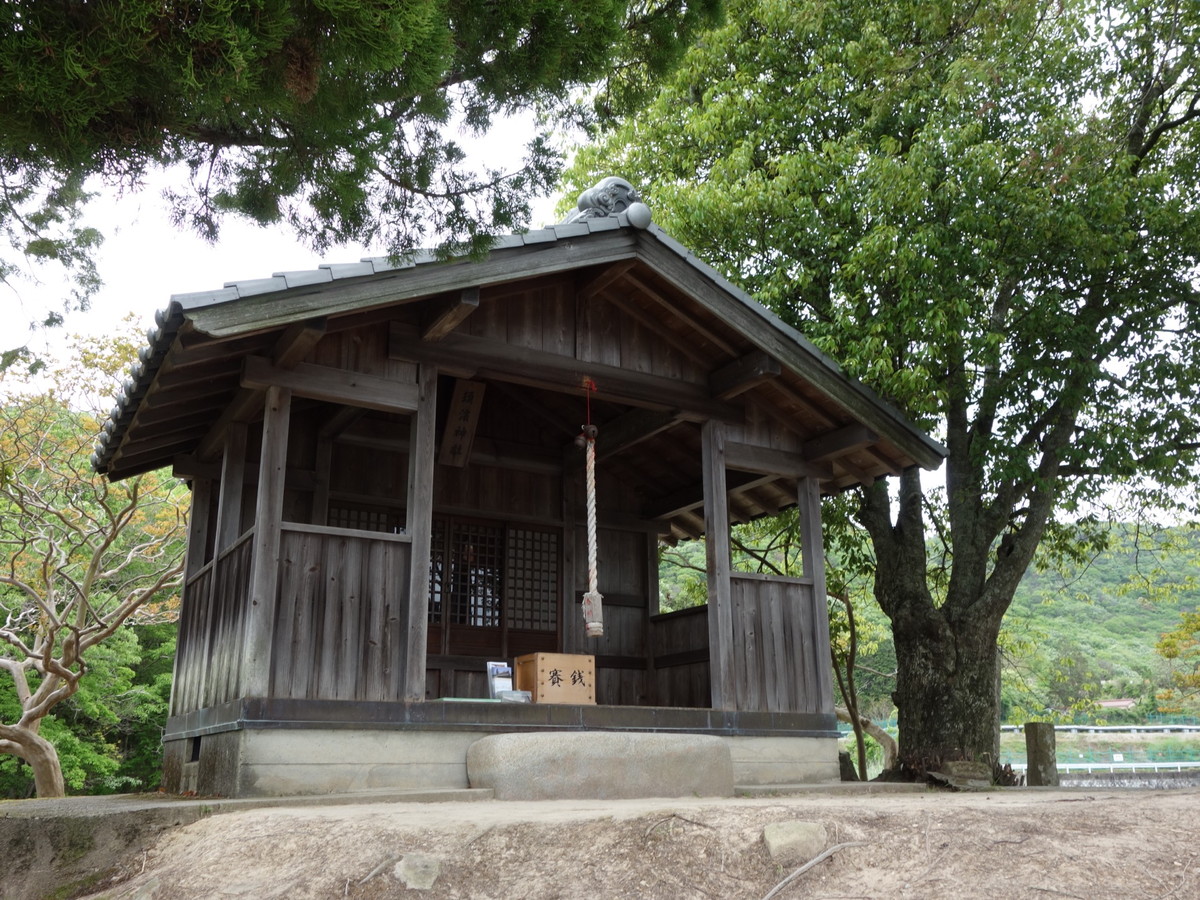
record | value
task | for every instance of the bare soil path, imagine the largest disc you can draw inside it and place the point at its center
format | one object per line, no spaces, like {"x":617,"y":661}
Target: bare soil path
{"x":1008,"y":843}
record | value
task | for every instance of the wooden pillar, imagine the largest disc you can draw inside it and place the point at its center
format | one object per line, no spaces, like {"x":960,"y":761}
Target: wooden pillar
{"x":716,"y":542}
{"x":419,"y":525}
{"x":233,"y":481}
{"x":264,"y":572}
{"x":812,"y":549}
{"x":651,"y":610}
{"x":189,"y":630}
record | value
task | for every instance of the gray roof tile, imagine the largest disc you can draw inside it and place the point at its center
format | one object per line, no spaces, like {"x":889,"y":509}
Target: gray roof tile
{"x":303,"y":277}
{"x":349,"y":270}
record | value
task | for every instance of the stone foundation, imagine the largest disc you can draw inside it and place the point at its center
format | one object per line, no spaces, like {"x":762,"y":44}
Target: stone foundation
{"x":258,"y":748}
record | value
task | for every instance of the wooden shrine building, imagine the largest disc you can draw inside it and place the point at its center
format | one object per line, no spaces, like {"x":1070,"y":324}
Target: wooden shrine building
{"x":387,"y":493}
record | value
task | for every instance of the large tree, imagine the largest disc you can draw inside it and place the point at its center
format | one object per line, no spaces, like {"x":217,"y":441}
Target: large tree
{"x":989,"y":212}
{"x":327,"y":115}
{"x":79,"y":557}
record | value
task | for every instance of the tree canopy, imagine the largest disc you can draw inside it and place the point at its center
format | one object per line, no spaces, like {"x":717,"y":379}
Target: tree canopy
{"x":991,"y":214}
{"x":329,"y":116}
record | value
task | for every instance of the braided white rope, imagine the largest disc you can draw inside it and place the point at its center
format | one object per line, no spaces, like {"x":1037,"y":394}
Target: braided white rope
{"x":593,"y":618}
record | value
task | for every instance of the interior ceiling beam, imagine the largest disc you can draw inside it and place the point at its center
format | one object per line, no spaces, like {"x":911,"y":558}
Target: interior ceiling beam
{"x":297,"y":342}
{"x":766,"y":461}
{"x":686,"y":348}
{"x":469,"y":356}
{"x":839,"y":442}
{"x":341,"y":419}
{"x":742,"y":374}
{"x":692,"y":496}
{"x":674,"y":310}
{"x":632,"y":428}
{"x":446,"y":315}
{"x":522,"y":399}
{"x":607,"y":277}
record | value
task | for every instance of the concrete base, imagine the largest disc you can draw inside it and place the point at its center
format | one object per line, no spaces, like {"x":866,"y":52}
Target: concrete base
{"x":601,"y":765}
{"x":277,"y":748}
{"x":783,"y":760}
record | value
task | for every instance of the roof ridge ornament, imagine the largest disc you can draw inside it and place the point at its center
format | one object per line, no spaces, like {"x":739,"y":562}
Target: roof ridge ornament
{"x":611,"y":197}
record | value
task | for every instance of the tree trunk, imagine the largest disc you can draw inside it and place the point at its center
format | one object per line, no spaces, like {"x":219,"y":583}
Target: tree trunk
{"x":41,"y":756}
{"x":947,"y":689}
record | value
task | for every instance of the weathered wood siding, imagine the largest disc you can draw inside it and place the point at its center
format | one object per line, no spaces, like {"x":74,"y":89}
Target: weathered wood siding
{"x":212,"y":630}
{"x":339,"y":614}
{"x":622,"y":653}
{"x":680,"y":644}
{"x":775,"y":645}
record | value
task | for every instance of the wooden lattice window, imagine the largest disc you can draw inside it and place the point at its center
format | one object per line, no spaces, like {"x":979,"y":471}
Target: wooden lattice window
{"x":466,"y":573}
{"x":531,"y":563}
{"x":479,"y":571}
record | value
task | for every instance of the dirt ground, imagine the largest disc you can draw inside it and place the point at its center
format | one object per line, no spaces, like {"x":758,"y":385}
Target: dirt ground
{"x":1006,"y":843}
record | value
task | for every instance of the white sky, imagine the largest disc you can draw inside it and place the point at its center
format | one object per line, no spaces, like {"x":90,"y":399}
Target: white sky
{"x":145,"y":259}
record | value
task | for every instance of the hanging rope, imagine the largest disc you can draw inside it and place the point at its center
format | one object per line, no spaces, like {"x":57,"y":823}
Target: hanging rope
{"x":593,"y":618}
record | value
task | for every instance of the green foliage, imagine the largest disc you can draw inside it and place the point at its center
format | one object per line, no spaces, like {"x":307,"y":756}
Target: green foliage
{"x":991,"y":214}
{"x":334,"y":116}
{"x":109,"y":734}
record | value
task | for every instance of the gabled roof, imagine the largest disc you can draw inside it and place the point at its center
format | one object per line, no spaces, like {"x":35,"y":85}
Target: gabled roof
{"x":189,"y":372}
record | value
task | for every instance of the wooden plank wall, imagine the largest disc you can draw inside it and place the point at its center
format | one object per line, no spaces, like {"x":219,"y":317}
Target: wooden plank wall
{"x":679,"y":641}
{"x":339,"y":615}
{"x":775,"y":644}
{"x":622,"y":652}
{"x":212,"y":631}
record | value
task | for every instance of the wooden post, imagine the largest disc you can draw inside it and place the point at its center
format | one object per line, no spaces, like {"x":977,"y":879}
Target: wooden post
{"x":189,"y":633}
{"x":264,"y":572}
{"x":652,"y":601}
{"x":233,"y":480}
{"x":812,"y":550}
{"x":717,"y":548}
{"x":1042,"y":764}
{"x":419,"y":525}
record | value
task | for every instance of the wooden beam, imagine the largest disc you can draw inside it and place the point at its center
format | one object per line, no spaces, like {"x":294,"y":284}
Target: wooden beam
{"x":673,"y":309}
{"x":766,"y":461}
{"x":419,"y":523}
{"x":333,"y":385}
{"x":771,"y":335}
{"x":446,"y":315}
{"x":500,"y":361}
{"x":693,"y":497}
{"x":189,"y":468}
{"x":839,"y":442}
{"x":548,"y":420}
{"x":245,"y":406}
{"x":339,"y":421}
{"x":264,"y":574}
{"x":808,"y":496}
{"x":686,"y":348}
{"x":606,"y":278}
{"x":297,"y":342}
{"x":742,"y":374}
{"x":631,"y":428}
{"x":717,"y":552}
